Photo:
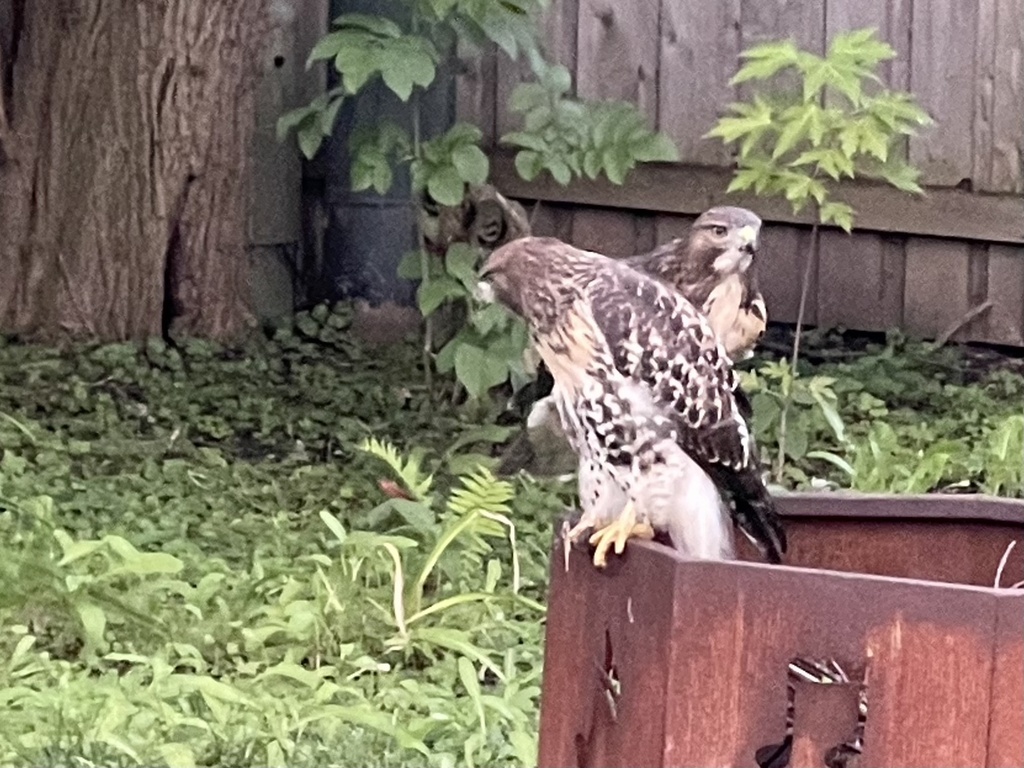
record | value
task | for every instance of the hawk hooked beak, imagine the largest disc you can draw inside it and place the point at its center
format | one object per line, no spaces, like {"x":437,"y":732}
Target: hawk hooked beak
{"x":748,"y":238}
{"x":739,"y":254}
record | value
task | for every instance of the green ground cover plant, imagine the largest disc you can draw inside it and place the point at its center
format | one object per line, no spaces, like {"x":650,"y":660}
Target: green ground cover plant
{"x":289,"y":554}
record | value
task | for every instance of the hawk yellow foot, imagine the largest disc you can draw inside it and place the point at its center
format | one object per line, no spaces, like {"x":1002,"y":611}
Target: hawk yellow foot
{"x":617,"y":532}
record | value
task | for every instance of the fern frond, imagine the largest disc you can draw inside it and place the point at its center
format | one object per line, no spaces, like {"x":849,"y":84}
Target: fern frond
{"x":408,"y":470}
{"x":481,"y":492}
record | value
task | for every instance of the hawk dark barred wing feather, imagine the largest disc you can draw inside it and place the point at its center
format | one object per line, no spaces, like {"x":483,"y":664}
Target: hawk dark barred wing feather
{"x":656,"y":340}
{"x":715,"y":269}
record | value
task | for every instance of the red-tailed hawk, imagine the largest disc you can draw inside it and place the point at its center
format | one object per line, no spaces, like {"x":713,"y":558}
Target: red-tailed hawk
{"x":645,"y":392}
{"x":715,"y":268}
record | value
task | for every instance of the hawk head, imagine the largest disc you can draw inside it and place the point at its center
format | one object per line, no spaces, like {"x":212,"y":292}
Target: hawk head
{"x":533,"y":277}
{"x":724,"y":240}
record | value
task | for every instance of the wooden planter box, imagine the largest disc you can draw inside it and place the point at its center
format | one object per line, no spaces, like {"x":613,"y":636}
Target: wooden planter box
{"x":664,"y":661}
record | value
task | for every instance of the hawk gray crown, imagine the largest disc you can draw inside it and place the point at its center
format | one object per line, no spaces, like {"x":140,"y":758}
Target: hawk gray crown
{"x":645,"y":392}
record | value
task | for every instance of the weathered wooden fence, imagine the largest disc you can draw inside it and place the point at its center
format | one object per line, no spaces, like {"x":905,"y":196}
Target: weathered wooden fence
{"x":921,"y":264}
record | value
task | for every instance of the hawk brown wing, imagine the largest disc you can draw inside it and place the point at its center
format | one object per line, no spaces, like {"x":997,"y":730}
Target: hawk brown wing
{"x":657,"y":338}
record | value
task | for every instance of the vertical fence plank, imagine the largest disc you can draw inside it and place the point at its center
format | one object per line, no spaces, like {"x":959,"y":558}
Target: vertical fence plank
{"x":861,"y":276}
{"x":616,"y":52}
{"x":559,"y":30}
{"x":780,"y":272}
{"x":553,"y":221}
{"x":475,"y":91}
{"x":936,"y":292}
{"x":860,"y":281}
{"x":700,"y":44}
{"x":1007,"y":169}
{"x":669,"y":227}
{"x":945,"y":34}
{"x":1005,"y":321}
{"x":610,"y":232}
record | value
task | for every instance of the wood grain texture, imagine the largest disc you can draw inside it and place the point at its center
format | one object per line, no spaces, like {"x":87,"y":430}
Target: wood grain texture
{"x":612,"y":233}
{"x":780,"y":271}
{"x":690,"y":189}
{"x":617,"y":54}
{"x":943,"y":57}
{"x":700,"y":45}
{"x":668,"y":227}
{"x":558,"y":26}
{"x":1004,"y":323}
{"x":936,"y":292}
{"x":1006,"y":173}
{"x":1006,"y":732}
{"x":705,"y":681}
{"x":860,"y":281}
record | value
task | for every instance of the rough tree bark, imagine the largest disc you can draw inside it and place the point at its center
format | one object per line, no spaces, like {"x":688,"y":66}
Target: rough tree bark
{"x":124,"y":131}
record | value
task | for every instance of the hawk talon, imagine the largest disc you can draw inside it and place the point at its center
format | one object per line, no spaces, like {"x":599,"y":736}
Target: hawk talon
{"x":617,"y":532}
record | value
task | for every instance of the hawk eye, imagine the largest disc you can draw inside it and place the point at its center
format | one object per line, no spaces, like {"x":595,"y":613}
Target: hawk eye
{"x":718,"y":231}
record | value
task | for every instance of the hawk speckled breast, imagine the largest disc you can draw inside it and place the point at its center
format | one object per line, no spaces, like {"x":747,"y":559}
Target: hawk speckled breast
{"x":646,"y":395}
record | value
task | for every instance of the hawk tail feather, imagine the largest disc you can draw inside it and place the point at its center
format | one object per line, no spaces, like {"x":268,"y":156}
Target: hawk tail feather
{"x":759,"y":520}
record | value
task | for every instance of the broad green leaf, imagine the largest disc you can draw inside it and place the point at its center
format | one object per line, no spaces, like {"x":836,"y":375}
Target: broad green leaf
{"x":528,"y":164}
{"x":557,"y":79}
{"x":525,"y":140}
{"x":477,"y":370}
{"x":902,"y":176}
{"x":379,"y":25}
{"x":411,"y":266}
{"x":656,"y":148}
{"x":471,"y":163}
{"x":291,"y":119}
{"x":434,"y":293}
{"x":310,"y":137}
{"x":559,"y":171}
{"x":460,"y":262}
{"x":330,"y":115}
{"x":446,"y":186}
{"x":326,"y":48}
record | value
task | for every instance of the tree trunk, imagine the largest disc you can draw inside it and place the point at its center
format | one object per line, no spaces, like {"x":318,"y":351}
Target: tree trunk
{"x":124,"y":130}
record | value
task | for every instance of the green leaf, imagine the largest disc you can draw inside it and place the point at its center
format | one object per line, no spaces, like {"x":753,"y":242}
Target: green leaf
{"x":379,"y":25}
{"x":471,"y":163}
{"x":94,"y":622}
{"x":902,"y":176}
{"x":765,"y":60}
{"x":461,"y":263}
{"x":834,"y":459}
{"x":837,"y":213}
{"x":656,"y":148}
{"x":557,"y":79}
{"x":560,"y":171}
{"x":477,"y":370}
{"x":528,"y":164}
{"x":446,"y":186}
{"x":433,"y":294}
{"x":291,"y":119}
{"x":310,"y":138}
{"x":329,"y":116}
{"x":525,"y":140}
{"x":326,"y":48}
{"x":467,"y":674}
{"x":411,"y":266}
